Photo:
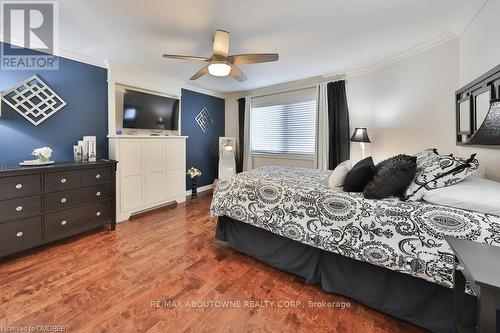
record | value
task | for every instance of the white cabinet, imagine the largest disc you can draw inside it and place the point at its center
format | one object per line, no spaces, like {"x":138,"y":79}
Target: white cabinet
{"x":151,"y":172}
{"x":155,"y":171}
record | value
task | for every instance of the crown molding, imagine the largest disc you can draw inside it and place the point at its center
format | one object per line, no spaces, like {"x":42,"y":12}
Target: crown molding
{"x":287,"y":86}
{"x":405,"y":54}
{"x":468,"y":15}
{"x":461,"y":24}
{"x":18,"y":41}
{"x":105,"y":63}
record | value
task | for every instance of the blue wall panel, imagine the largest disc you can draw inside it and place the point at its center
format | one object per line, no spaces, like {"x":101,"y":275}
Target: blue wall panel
{"x":83,"y":87}
{"x":202,"y":146}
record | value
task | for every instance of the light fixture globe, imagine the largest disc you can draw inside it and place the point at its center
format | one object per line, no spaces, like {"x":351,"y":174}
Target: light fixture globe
{"x":219,"y":69}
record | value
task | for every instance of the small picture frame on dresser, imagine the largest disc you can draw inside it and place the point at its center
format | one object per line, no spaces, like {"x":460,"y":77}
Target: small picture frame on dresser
{"x":77,"y":154}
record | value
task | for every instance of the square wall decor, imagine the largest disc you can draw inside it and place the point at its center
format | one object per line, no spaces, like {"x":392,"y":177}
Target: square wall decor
{"x":34,"y":100}
{"x":204,"y":120}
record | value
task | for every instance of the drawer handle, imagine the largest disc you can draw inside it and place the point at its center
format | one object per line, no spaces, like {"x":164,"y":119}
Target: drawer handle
{"x":19,"y":186}
{"x":64,"y":222}
{"x":98,"y":214}
{"x":63,"y":200}
{"x":63,"y":180}
{"x":19,"y":234}
{"x":97,"y":176}
{"x":19,"y":208}
{"x":98,"y":194}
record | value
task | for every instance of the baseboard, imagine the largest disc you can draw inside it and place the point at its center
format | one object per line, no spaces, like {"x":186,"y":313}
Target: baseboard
{"x":202,"y":189}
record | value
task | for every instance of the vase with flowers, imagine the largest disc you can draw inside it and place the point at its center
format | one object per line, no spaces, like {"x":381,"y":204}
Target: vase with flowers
{"x":43,"y":154}
{"x":194,"y":174}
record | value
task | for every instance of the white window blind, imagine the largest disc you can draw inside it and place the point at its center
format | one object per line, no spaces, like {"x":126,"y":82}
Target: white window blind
{"x":284,"y":124}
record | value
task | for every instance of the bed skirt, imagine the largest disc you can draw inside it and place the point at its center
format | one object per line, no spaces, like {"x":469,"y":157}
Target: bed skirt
{"x":414,"y":300}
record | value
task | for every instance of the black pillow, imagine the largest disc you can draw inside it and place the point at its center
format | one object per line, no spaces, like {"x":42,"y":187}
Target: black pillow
{"x":359,"y":176}
{"x":392,"y":177}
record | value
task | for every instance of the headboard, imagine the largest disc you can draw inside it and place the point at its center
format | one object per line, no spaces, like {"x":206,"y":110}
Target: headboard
{"x":473,"y":102}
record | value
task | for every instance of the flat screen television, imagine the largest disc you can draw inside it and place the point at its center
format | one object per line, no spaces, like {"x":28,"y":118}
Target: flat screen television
{"x":148,"y":111}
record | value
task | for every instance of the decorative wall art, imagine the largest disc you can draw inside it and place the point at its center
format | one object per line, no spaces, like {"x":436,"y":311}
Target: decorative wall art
{"x":204,"y":119}
{"x":34,"y":100}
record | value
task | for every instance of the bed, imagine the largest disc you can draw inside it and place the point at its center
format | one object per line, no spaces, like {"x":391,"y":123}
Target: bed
{"x":290,"y":218}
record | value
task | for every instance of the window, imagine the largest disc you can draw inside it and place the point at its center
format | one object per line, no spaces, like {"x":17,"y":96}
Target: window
{"x":284,"y":128}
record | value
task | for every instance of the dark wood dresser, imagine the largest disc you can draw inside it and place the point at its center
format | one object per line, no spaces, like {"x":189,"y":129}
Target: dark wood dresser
{"x":39,"y":205}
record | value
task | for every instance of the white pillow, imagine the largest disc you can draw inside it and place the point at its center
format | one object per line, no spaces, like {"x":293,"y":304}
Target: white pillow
{"x":474,"y":193}
{"x":338,"y":176}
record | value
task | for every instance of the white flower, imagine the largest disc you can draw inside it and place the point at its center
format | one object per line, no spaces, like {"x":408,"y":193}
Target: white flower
{"x":193,"y":172}
{"x":44,"y":152}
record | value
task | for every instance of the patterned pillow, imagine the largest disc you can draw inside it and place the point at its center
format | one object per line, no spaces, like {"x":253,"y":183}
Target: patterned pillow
{"x":425,"y":158}
{"x":438,"y":171}
{"x":392,"y":177}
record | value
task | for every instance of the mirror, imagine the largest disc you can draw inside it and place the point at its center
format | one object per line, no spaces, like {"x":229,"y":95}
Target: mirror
{"x":464,"y":120}
{"x":482,"y":107}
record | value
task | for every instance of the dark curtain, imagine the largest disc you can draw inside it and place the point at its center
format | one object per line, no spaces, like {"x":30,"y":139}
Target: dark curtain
{"x":338,"y":124}
{"x":241,"y":134}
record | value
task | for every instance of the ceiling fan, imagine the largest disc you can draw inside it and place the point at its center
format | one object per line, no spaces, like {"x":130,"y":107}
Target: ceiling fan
{"x":223,"y":64}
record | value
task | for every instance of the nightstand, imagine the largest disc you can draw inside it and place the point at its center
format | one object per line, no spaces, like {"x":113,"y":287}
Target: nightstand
{"x":479,"y":264}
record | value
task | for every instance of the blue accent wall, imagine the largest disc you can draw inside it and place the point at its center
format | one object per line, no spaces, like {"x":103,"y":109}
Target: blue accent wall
{"x":201,"y":146}
{"x":83,"y":87}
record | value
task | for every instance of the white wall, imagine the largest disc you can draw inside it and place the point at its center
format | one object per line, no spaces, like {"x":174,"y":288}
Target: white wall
{"x":480,"y":43}
{"x":413,"y":100}
{"x":409,"y":106}
{"x":480,"y":52}
{"x":413,"y":103}
{"x":231,"y":116}
{"x":359,"y":100}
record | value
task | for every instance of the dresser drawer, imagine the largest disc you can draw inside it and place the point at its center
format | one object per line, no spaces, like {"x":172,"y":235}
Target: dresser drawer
{"x":71,"y":198}
{"x":58,"y":181}
{"x":75,"y":219}
{"x":20,"y":234}
{"x":20,"y":208}
{"x":19,"y":186}
{"x":96,"y":176}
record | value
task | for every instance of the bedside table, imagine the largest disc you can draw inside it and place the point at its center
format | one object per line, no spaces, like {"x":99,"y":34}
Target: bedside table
{"x":479,"y":264}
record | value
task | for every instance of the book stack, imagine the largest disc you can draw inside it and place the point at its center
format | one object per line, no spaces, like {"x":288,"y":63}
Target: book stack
{"x":86,"y":150}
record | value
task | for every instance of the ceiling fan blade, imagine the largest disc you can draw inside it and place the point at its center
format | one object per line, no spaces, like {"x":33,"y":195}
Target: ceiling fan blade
{"x":221,"y":43}
{"x":181,"y":57}
{"x":237,"y":74}
{"x":239,"y":59}
{"x":201,"y":72}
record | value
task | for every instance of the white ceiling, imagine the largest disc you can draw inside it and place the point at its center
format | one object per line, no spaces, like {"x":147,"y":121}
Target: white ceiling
{"x":313,"y":37}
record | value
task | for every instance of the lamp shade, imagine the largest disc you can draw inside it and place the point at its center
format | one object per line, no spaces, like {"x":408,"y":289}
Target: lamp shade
{"x":360,"y":135}
{"x":489,"y":131}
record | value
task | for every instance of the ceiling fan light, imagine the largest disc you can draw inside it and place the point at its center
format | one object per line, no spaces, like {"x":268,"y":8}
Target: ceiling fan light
{"x":219,"y":69}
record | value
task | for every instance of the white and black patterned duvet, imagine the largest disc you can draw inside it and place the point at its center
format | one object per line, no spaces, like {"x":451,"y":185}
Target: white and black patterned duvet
{"x":402,"y":236}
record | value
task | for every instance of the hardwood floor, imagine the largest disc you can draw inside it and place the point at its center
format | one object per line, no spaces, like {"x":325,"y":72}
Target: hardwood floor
{"x":145,"y":276}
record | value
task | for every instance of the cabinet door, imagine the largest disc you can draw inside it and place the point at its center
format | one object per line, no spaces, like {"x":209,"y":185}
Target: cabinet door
{"x":155,"y":168}
{"x":176,"y":168}
{"x":132,"y":174}
{"x":176,"y":154}
{"x":176,"y":183}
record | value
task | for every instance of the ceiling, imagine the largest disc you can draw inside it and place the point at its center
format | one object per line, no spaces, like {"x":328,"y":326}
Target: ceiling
{"x":313,"y":37}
